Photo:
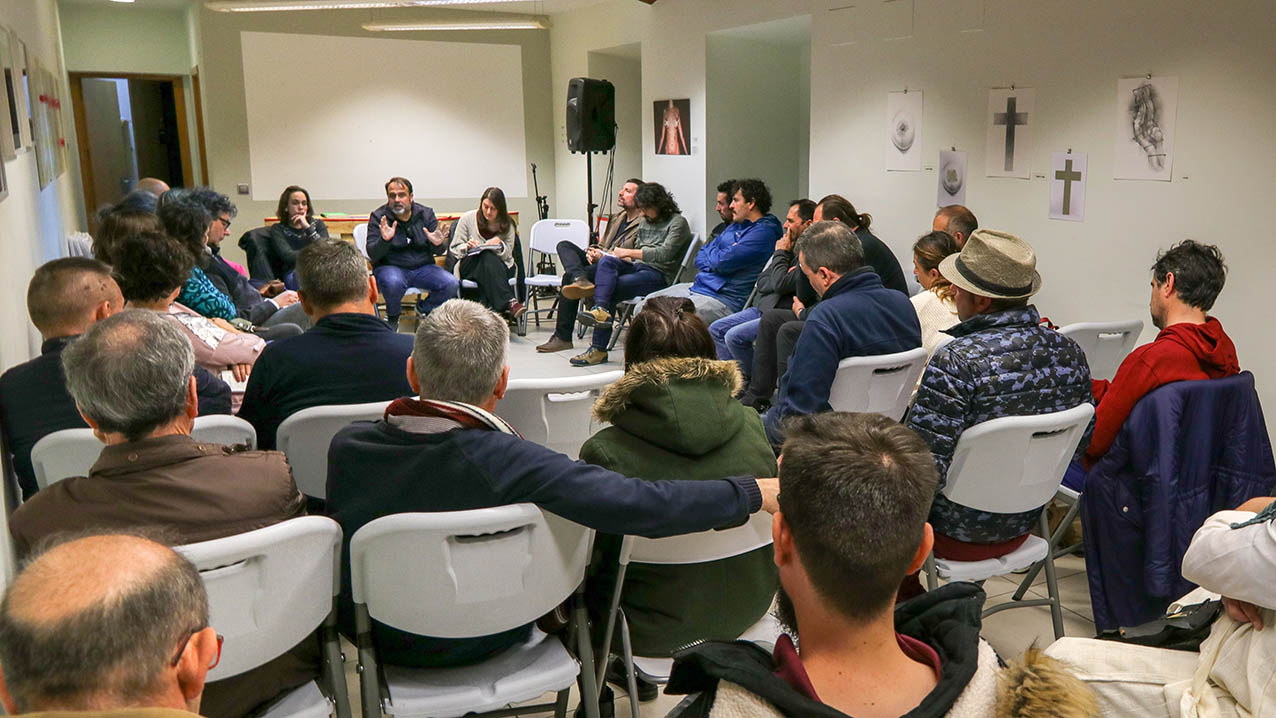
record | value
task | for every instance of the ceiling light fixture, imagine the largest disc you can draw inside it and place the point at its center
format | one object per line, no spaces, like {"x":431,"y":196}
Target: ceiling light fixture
{"x":282,"y":5}
{"x":530,"y":24}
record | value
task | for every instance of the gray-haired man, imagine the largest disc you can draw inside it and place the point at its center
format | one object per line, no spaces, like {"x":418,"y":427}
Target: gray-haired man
{"x":130,"y":376}
{"x":104,"y":626}
{"x":448,"y":451}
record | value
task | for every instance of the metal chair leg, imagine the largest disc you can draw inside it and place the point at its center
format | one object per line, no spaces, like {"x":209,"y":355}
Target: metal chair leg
{"x":1052,"y":584}
{"x":1054,"y":538}
{"x":585,"y":652}
{"x":932,"y":578}
{"x":369,"y":685}
{"x":631,"y":674}
{"x":334,"y":668}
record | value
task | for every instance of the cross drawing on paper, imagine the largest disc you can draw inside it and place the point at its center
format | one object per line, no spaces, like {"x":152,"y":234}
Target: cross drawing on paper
{"x":1010,"y":119}
{"x":1068,"y":175}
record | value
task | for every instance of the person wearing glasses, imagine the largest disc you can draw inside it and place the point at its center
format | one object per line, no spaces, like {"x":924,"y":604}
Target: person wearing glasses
{"x":136,"y":615}
{"x":130,"y":377}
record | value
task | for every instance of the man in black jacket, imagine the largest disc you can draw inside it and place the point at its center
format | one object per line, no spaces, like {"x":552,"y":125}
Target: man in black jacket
{"x":734,"y":335}
{"x":448,"y":451}
{"x":403,"y":239}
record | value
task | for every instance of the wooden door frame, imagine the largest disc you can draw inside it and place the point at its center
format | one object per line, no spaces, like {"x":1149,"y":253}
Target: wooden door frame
{"x":82,"y":133}
{"x":199,"y":126}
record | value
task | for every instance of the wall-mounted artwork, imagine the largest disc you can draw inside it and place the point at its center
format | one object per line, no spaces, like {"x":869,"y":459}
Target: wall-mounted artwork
{"x":1011,"y":114}
{"x":9,"y":136}
{"x":904,"y":130}
{"x":672,"y":120}
{"x":21,"y":80}
{"x":952,"y":178}
{"x":1146,"y":111}
{"x":1068,"y":176}
{"x":40,"y":98}
{"x":4,"y":182}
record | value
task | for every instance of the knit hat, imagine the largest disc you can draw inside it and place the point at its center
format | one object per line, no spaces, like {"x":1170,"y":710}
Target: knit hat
{"x":994,"y":264}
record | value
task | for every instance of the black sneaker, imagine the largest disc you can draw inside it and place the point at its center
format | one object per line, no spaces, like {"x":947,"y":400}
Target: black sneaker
{"x":647,"y":691}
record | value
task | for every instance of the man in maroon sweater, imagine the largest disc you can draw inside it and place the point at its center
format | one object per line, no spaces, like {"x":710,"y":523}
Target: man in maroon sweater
{"x":1192,"y":345}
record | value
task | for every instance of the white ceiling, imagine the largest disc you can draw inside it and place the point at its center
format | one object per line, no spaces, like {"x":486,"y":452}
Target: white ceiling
{"x":522,"y":7}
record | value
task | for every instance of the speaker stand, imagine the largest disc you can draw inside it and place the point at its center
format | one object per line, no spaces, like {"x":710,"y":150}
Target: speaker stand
{"x":590,"y":206}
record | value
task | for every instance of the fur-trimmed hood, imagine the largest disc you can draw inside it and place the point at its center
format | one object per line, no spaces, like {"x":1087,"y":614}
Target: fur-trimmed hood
{"x":686,"y":405}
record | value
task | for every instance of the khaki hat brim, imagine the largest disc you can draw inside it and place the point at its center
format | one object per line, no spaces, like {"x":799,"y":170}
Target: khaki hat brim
{"x":948,"y":270}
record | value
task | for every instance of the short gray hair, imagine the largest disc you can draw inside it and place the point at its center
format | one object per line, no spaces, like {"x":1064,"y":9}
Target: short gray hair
{"x":332,"y":272}
{"x":460,"y":352}
{"x":129,"y":373}
{"x":831,"y":245}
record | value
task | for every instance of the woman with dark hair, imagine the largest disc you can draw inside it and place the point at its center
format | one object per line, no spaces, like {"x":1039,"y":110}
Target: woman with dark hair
{"x":651,"y":265}
{"x":673,"y":414}
{"x":118,"y":225}
{"x":934,"y":305}
{"x":186,"y":220}
{"x":297,"y":227}
{"x":483,"y":245}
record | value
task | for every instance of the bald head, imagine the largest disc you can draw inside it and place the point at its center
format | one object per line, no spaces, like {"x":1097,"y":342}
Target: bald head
{"x":155,"y":186}
{"x":957,"y":221}
{"x":94,"y":623}
{"x":67,"y":295}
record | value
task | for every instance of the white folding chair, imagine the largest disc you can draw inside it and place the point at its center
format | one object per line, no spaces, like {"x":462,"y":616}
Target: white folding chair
{"x":1105,"y":343}
{"x":463,"y":574}
{"x":1011,"y":465}
{"x":267,"y":590}
{"x":555,"y":413}
{"x":72,"y":452}
{"x":304,"y":438}
{"x":9,"y":500}
{"x":881,"y":384}
{"x":625,"y":309}
{"x":702,"y":547}
{"x":546,"y":234}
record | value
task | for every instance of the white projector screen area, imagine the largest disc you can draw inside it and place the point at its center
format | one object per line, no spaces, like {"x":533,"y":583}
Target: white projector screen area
{"x":446,"y":115}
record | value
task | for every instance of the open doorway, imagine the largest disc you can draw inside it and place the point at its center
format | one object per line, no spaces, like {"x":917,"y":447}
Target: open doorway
{"x":758,"y":108}
{"x":129,"y":126}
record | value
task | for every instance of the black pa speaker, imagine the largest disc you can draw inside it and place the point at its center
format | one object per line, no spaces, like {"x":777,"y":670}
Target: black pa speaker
{"x":591,"y":115}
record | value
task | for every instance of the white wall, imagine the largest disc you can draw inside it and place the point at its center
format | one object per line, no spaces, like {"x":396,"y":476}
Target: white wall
{"x":32,"y":221}
{"x":626,"y":74}
{"x":126,"y":38}
{"x":954,"y":50}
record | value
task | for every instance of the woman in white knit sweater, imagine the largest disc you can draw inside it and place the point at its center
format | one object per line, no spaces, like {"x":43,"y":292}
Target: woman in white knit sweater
{"x":934,"y":304}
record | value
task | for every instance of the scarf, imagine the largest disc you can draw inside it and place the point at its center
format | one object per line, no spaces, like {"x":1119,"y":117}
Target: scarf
{"x":429,"y":416}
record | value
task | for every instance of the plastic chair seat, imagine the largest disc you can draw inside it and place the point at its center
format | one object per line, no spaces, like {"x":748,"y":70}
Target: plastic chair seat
{"x":544,"y":280}
{"x":304,"y":702}
{"x":1032,"y":551}
{"x":524,"y":672}
{"x":470,"y":284}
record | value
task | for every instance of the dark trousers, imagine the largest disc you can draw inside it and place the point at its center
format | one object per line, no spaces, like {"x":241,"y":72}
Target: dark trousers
{"x":492,"y":277}
{"x":617,"y":280}
{"x":785,"y":342}
{"x":575,"y":266}
{"x":766,"y":357}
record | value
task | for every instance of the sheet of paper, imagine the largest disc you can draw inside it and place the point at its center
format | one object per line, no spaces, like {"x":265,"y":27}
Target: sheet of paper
{"x":1146,"y":110}
{"x":952,"y":178}
{"x":1010,"y":119}
{"x":1068,"y":175}
{"x":904,"y":130}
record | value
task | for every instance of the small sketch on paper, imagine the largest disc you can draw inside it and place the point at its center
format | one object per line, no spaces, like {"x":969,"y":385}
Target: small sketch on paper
{"x":1068,"y":177}
{"x":904,"y":130}
{"x":1010,"y":119}
{"x":952,"y":178}
{"x":1145,"y":107}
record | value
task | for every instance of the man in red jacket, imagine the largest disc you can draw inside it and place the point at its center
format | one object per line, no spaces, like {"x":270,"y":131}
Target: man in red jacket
{"x":1192,"y":345}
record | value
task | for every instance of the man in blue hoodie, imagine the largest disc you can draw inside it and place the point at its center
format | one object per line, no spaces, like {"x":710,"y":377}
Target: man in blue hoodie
{"x":730,"y":264}
{"x":856,"y":316}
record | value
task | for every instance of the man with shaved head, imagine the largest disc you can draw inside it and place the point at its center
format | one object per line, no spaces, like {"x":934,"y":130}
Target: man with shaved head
{"x":103,"y":626}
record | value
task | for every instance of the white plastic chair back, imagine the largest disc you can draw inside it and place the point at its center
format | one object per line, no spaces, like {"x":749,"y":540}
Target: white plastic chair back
{"x":460,"y":574}
{"x":361,"y":239}
{"x":547,"y":233}
{"x":881,"y":384}
{"x":1015,"y":463}
{"x":8,"y":502}
{"x":701,"y":547}
{"x":1105,"y":344}
{"x":305,"y":436}
{"x":268,"y":589}
{"x":224,"y":429}
{"x":555,"y":413}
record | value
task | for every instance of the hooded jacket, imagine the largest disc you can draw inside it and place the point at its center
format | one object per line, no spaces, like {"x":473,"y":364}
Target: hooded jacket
{"x":1180,"y":352}
{"x":729,"y":265}
{"x":677,"y":417}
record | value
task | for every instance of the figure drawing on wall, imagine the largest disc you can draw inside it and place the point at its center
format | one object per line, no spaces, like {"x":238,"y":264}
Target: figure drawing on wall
{"x":1068,"y":176}
{"x":904,"y":130}
{"x":952,"y":178}
{"x":1010,"y":118}
{"x":673,"y":125}
{"x":1146,"y":110}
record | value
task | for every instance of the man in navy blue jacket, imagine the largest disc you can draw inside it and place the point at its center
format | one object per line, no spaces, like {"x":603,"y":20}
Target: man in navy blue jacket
{"x":856,"y":316}
{"x":448,"y":451}
{"x":730,"y":264}
{"x":403,"y":239}
{"x":349,"y":357}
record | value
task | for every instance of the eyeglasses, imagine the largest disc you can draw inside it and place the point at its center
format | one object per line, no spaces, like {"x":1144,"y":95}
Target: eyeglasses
{"x":190,"y":634}
{"x":225,"y":221}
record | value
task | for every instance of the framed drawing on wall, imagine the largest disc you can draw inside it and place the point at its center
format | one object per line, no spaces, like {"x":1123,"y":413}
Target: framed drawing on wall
{"x":672,"y":123}
{"x":4,"y":182}
{"x":9,"y":137}
{"x":21,"y":98}
{"x":38,"y":97}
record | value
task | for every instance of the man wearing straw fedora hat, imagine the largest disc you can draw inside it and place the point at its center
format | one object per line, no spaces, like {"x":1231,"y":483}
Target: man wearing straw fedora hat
{"x":1001,"y":362}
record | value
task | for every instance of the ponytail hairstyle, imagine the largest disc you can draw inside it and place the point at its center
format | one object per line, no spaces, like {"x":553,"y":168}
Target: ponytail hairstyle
{"x":667,"y":327}
{"x":838,"y":208}
{"x":929,"y":250}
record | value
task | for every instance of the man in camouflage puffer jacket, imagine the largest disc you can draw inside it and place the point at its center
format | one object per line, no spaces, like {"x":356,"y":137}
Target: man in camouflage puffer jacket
{"x":1002,"y":362}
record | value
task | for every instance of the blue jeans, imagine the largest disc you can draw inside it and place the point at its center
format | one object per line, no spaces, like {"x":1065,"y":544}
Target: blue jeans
{"x":734,"y":334}
{"x":393,"y":282}
{"x":617,"y":280}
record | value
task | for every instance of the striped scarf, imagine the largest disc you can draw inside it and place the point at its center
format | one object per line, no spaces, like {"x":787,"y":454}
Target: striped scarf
{"x":429,"y":416}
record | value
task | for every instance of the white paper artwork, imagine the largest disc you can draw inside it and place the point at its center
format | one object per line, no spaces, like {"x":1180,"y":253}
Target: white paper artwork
{"x":904,"y":130}
{"x":1068,"y":177}
{"x":1146,"y":109}
{"x":952,"y":178}
{"x":1010,"y":119}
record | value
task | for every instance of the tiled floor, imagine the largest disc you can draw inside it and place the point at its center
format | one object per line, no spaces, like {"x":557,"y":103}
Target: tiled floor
{"x":1009,"y":632}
